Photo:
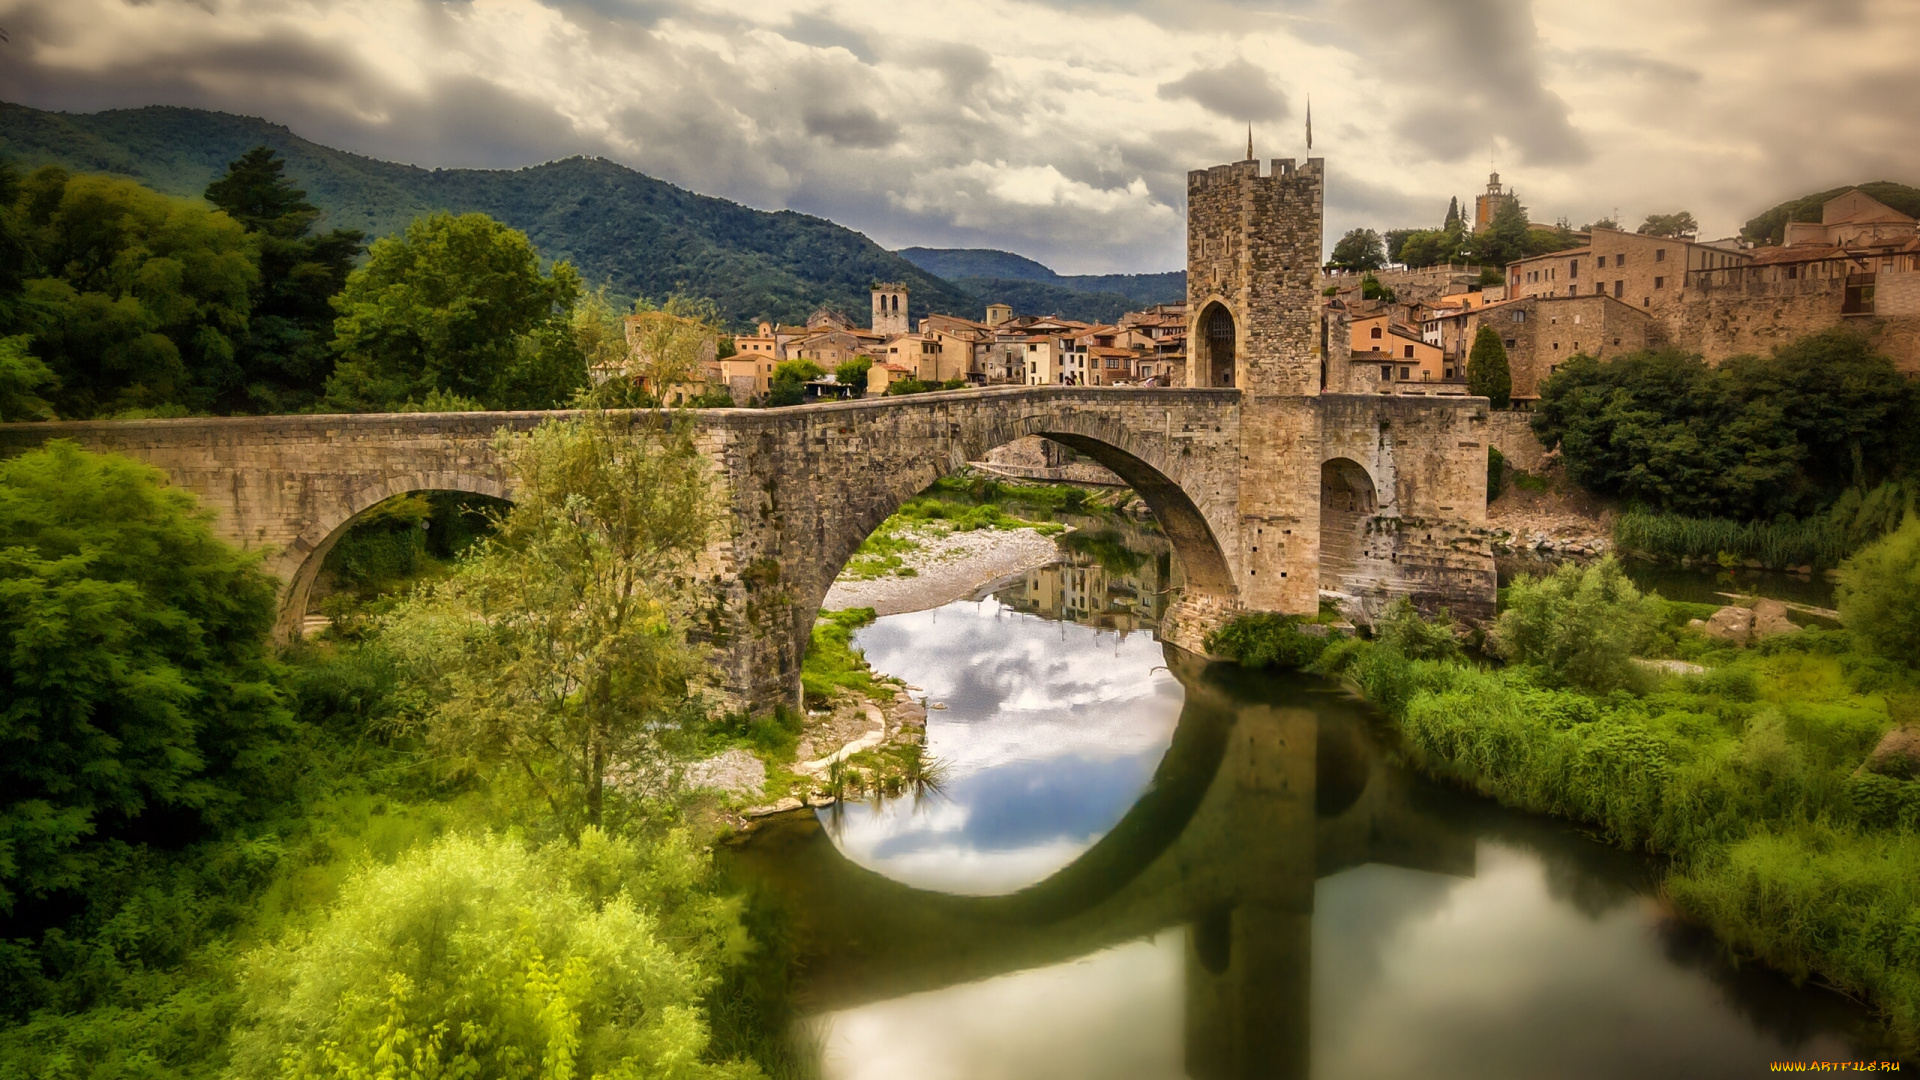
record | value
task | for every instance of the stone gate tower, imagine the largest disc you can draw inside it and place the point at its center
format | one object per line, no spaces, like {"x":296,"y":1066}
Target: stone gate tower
{"x":1253,"y":250}
{"x":1362,"y":497}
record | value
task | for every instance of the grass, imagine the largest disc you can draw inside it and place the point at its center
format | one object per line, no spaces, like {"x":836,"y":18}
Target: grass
{"x":1816,"y":542}
{"x":833,"y":663}
{"x":954,"y":505}
{"x":1747,"y":776}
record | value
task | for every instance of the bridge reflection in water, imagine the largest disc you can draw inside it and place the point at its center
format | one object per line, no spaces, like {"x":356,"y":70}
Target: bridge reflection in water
{"x":1251,"y":804}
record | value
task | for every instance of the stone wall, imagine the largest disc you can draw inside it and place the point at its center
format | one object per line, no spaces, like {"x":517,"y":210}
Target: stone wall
{"x":1511,"y":433}
{"x":1253,"y":248}
{"x":1756,"y":319}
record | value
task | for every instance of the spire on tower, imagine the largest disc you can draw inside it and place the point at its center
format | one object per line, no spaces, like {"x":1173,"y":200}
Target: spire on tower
{"x":1249,"y":142}
{"x":1309,"y":121}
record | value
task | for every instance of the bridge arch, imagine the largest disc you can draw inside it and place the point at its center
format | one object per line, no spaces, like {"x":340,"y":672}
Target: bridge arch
{"x":1348,"y":500}
{"x":300,"y":562}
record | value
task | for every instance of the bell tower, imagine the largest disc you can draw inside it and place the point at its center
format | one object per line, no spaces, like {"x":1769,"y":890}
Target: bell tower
{"x":889,"y":309}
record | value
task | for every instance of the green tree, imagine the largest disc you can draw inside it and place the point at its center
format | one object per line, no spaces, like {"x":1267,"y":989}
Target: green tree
{"x":1679,"y":225}
{"x":1430,"y":247}
{"x":133,"y":667}
{"x":456,"y":304}
{"x":1488,"y":374}
{"x":1580,"y":625}
{"x":141,"y":298}
{"x":23,"y":378}
{"x":1506,"y":238}
{"x":285,"y":356}
{"x":790,"y":377}
{"x":475,"y":957}
{"x":558,"y":645}
{"x":1879,"y":595}
{"x":1454,"y":222}
{"x":1359,"y":250}
{"x":854,"y":373}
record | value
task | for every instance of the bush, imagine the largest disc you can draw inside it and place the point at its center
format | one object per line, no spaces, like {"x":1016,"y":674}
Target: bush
{"x":1264,"y":639}
{"x":1810,"y":542}
{"x":475,"y":956}
{"x":1488,"y":374}
{"x":1581,"y":625}
{"x":1496,"y":473}
{"x":1879,"y":596}
{"x":1401,"y":628}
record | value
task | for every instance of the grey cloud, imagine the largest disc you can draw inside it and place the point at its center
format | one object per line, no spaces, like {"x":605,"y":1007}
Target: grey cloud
{"x":1484,"y":78}
{"x":966,"y":68}
{"x":852,"y":125}
{"x":1237,"y":90}
{"x":1634,"y":62}
{"x":822,"y":32}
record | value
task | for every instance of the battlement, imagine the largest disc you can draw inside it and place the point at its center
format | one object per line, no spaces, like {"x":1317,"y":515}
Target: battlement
{"x":1277,"y":169}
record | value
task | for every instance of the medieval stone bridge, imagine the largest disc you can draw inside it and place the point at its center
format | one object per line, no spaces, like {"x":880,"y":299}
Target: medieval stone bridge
{"x":1266,"y":504}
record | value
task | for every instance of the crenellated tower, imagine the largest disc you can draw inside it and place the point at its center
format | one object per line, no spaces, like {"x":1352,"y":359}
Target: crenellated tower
{"x":1253,"y":252}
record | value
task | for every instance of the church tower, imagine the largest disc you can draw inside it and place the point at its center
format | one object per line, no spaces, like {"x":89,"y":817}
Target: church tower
{"x":1253,"y":254}
{"x":889,"y":309}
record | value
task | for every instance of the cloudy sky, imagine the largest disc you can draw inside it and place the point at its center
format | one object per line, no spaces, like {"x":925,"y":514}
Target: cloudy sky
{"x":1062,"y":129}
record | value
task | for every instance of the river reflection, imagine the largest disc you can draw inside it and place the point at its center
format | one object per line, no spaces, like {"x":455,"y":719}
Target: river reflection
{"x":1202,"y":872}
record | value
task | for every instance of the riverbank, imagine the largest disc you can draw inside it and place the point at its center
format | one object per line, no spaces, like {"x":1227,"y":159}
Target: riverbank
{"x":1793,"y":833}
{"x":943,"y":567}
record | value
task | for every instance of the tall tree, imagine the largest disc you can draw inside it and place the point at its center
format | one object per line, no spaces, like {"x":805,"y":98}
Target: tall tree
{"x":285,"y":356}
{"x":141,"y":297}
{"x":1506,"y":237}
{"x":1488,"y":374}
{"x":558,"y":646}
{"x":1453,"y":220}
{"x":133,"y":671}
{"x":458,"y":305}
{"x":1679,"y":225}
{"x":1359,"y":250}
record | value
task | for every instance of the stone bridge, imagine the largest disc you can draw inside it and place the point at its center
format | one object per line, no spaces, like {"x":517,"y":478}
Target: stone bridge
{"x":1266,"y":505}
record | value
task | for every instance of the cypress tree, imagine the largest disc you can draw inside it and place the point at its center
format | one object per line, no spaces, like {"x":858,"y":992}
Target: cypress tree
{"x":1488,"y":375}
{"x":1453,"y":221}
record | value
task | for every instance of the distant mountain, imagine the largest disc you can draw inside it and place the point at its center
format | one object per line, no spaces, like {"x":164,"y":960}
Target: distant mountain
{"x":1040,"y":298}
{"x":1771,"y":227}
{"x":966,"y":264}
{"x":645,"y":236}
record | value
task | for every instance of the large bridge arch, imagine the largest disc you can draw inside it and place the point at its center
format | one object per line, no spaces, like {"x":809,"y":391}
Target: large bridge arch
{"x":300,"y":562}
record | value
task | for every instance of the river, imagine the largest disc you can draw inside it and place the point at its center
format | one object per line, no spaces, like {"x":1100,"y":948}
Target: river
{"x":1141,"y":865}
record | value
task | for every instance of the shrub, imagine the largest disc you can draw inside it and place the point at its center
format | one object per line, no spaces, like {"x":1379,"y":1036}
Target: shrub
{"x":1264,"y":639}
{"x":1581,"y":625}
{"x":1879,"y":596}
{"x":1496,"y":473}
{"x":1400,"y":627}
{"x":1488,"y":374}
{"x":475,"y":956}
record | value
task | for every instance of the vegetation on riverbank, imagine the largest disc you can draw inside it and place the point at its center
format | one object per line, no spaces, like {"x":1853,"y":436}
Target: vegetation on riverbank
{"x":1820,"y":541}
{"x":958,"y":504}
{"x":1750,"y":776}
{"x":451,"y":840}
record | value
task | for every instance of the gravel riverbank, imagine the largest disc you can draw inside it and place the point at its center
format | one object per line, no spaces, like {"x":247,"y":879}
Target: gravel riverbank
{"x":947,"y":567}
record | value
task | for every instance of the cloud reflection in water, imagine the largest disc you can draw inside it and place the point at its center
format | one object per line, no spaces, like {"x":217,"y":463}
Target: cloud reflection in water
{"x":1052,"y":731}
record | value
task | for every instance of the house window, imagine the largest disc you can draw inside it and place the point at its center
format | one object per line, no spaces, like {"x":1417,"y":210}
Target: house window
{"x":1659,"y":283}
{"x":1519,"y":316}
{"x":1511,"y":342}
{"x":1573,"y":290}
{"x":1409,"y":353}
{"x":1619,"y":289}
{"x":1573,"y":268}
{"x":1659,"y":254}
{"x":1620,"y":259}
{"x":1376,"y":332}
{"x":1386,"y":371}
{"x":1556,"y":346}
{"x":1406,"y":373}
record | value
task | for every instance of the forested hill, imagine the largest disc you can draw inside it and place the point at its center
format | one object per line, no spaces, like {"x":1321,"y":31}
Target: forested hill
{"x":978,"y":267}
{"x":645,"y":236}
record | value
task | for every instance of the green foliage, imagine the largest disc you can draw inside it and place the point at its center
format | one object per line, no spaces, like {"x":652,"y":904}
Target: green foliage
{"x":1747,"y":776}
{"x":1679,"y":225}
{"x":456,"y":304}
{"x":1879,"y":596}
{"x":1771,"y":227}
{"x":22,"y":379}
{"x":833,"y":663}
{"x":1753,"y":438}
{"x":967,"y":266}
{"x":134,"y":300}
{"x":1817,"y":542}
{"x":1359,"y":249}
{"x":474,"y":956}
{"x":286,"y":354}
{"x":1496,"y":473}
{"x":1488,"y":374}
{"x":1507,"y":237}
{"x":1371,"y":289}
{"x":558,"y":645}
{"x":1580,"y":625}
{"x":903,"y":387}
{"x":788,"y":385}
{"x":1266,"y":639}
{"x":135,"y":679}
{"x":854,"y":373}
{"x":1401,"y":629}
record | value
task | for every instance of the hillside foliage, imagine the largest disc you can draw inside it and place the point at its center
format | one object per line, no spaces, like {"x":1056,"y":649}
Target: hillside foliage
{"x":1770,"y":227}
